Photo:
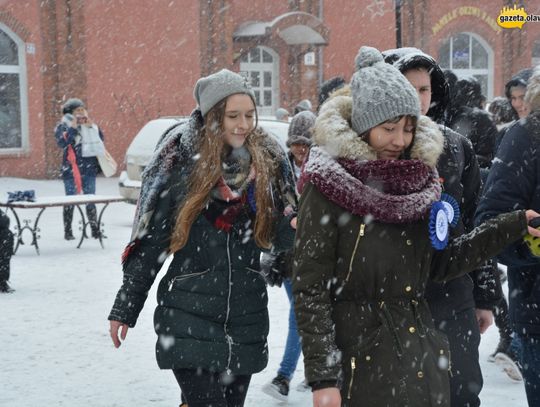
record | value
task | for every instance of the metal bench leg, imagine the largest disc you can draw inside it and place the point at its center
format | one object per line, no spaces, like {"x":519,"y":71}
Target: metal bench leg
{"x":101,"y":231}
{"x":85,"y":223}
{"x":35,"y":229}
{"x":18,"y":235}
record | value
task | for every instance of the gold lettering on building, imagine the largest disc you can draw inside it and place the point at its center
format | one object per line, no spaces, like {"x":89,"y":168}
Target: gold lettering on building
{"x":465,"y":11}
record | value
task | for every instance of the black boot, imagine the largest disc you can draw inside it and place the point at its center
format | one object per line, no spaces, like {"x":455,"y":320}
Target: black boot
{"x":91,"y":212}
{"x":68,"y":219}
{"x":5,"y":288}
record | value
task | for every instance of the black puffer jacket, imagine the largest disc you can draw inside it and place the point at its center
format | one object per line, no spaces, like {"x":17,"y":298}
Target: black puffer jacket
{"x":467,"y":119}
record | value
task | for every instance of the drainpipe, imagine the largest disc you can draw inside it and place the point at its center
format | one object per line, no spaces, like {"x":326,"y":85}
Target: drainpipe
{"x":320,"y":52}
{"x":398,"y":23}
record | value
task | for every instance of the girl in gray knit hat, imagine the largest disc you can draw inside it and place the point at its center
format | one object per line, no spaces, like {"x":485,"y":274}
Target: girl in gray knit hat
{"x":372,"y":230}
{"x":217,"y":191}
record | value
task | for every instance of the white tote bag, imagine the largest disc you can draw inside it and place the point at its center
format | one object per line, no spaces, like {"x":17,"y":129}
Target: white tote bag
{"x":92,"y":145}
{"x":107,"y":164}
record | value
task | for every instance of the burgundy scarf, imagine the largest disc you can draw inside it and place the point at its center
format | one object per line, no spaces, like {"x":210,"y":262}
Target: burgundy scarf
{"x":392,"y":191}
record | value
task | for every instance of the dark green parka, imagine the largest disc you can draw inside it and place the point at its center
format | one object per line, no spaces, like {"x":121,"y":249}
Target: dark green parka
{"x":212,"y":302}
{"x":359,"y":286}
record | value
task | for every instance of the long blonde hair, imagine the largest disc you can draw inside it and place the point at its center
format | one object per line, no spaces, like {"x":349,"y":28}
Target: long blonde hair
{"x":208,"y":170}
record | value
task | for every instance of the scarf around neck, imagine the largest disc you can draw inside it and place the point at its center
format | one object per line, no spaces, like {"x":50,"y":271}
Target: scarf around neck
{"x":392,"y":191}
{"x":237,"y":174}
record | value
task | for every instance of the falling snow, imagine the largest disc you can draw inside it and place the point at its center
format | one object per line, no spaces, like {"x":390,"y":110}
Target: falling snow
{"x":56,"y":349}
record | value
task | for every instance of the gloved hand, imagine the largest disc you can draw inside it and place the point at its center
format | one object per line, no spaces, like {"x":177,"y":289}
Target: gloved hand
{"x":533,"y":242}
{"x":269,"y":269}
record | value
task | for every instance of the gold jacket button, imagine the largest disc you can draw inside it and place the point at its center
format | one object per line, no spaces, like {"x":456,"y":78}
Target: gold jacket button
{"x":409,"y":242}
{"x":412,"y":329}
{"x":420,"y":374}
{"x":408,"y":288}
{"x":368,"y":358}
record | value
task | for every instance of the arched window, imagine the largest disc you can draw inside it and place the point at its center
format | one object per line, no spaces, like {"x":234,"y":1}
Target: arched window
{"x":261,"y":66}
{"x":13,"y":104}
{"x":468,"y":54}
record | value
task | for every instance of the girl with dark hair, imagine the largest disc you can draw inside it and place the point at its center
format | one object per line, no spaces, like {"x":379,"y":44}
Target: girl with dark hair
{"x":217,"y":191}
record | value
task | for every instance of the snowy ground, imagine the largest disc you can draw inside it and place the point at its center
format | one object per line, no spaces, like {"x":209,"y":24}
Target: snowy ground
{"x":54,"y":344}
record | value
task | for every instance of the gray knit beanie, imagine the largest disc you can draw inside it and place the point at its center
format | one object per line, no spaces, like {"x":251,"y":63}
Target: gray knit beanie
{"x":211,"y":89}
{"x":300,"y":128}
{"x":379,"y":92}
{"x":71,"y":104}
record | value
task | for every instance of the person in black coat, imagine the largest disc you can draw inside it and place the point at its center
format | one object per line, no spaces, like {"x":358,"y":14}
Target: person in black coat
{"x":465,"y":117}
{"x":6,"y":251}
{"x":513,"y":183}
{"x":461,"y":308}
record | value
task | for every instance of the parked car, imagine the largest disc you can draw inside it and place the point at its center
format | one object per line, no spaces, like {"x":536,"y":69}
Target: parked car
{"x":142,"y":147}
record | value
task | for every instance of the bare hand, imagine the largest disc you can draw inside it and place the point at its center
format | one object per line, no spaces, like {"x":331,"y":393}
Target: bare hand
{"x":484,"y":318}
{"x":530,"y":214}
{"x":293,"y":222}
{"x":329,"y":397}
{"x":113,"y":330}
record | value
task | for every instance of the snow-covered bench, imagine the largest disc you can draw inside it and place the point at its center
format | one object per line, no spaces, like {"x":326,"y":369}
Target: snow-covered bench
{"x":43,"y":203}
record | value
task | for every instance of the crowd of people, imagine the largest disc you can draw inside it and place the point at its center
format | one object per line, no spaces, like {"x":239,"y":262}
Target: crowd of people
{"x":462,"y":308}
{"x":385,"y":223}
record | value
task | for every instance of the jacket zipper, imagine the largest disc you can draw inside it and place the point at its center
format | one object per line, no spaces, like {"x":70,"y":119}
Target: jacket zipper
{"x":227,"y":336}
{"x":178,"y":278}
{"x":353,"y":367}
{"x":360,"y":234}
{"x":450,"y":364}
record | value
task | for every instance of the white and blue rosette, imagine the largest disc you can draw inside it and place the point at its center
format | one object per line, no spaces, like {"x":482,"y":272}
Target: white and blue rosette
{"x":452,"y":209}
{"x":439,"y":225}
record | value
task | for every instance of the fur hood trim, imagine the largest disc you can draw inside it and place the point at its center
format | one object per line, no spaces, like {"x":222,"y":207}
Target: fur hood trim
{"x":333,"y":133}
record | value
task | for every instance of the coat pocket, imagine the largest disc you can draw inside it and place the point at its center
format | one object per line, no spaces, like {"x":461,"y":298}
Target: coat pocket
{"x":357,"y":361}
{"x":441,"y":349}
{"x":184,"y":277}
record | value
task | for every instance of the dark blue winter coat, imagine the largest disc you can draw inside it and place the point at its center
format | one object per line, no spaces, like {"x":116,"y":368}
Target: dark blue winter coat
{"x":88,"y":166}
{"x":514,"y":183}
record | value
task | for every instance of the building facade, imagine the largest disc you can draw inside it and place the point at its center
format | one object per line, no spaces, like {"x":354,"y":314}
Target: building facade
{"x":135,"y":60}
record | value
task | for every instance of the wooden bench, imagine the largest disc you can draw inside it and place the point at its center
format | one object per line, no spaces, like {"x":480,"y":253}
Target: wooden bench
{"x":57,"y":201}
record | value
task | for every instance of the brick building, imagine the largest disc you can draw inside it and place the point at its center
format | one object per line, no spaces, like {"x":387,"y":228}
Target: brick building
{"x":135,"y":60}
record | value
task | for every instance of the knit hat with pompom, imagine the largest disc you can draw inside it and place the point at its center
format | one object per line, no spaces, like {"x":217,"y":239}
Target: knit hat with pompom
{"x":379,"y":92}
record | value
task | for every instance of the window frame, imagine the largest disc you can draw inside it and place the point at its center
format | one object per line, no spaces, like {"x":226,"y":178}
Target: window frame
{"x":19,"y":69}
{"x":247,"y":67}
{"x":462,"y":72}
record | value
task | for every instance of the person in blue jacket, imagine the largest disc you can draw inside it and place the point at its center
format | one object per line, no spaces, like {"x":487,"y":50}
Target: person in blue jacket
{"x":513,"y":183}
{"x":78,"y":171}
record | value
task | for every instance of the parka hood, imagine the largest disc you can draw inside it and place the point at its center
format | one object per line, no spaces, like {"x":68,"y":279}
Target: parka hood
{"x":519,"y":79}
{"x":468,"y":93}
{"x":333,"y":133}
{"x":408,"y":58}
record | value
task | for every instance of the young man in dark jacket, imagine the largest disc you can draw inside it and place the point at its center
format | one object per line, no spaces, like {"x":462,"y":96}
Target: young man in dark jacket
{"x":6,"y":251}
{"x":513,"y":183}
{"x":461,"y":308}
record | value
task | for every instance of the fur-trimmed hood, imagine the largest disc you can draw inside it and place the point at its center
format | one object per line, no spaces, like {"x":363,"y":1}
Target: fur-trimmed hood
{"x":334,"y":134}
